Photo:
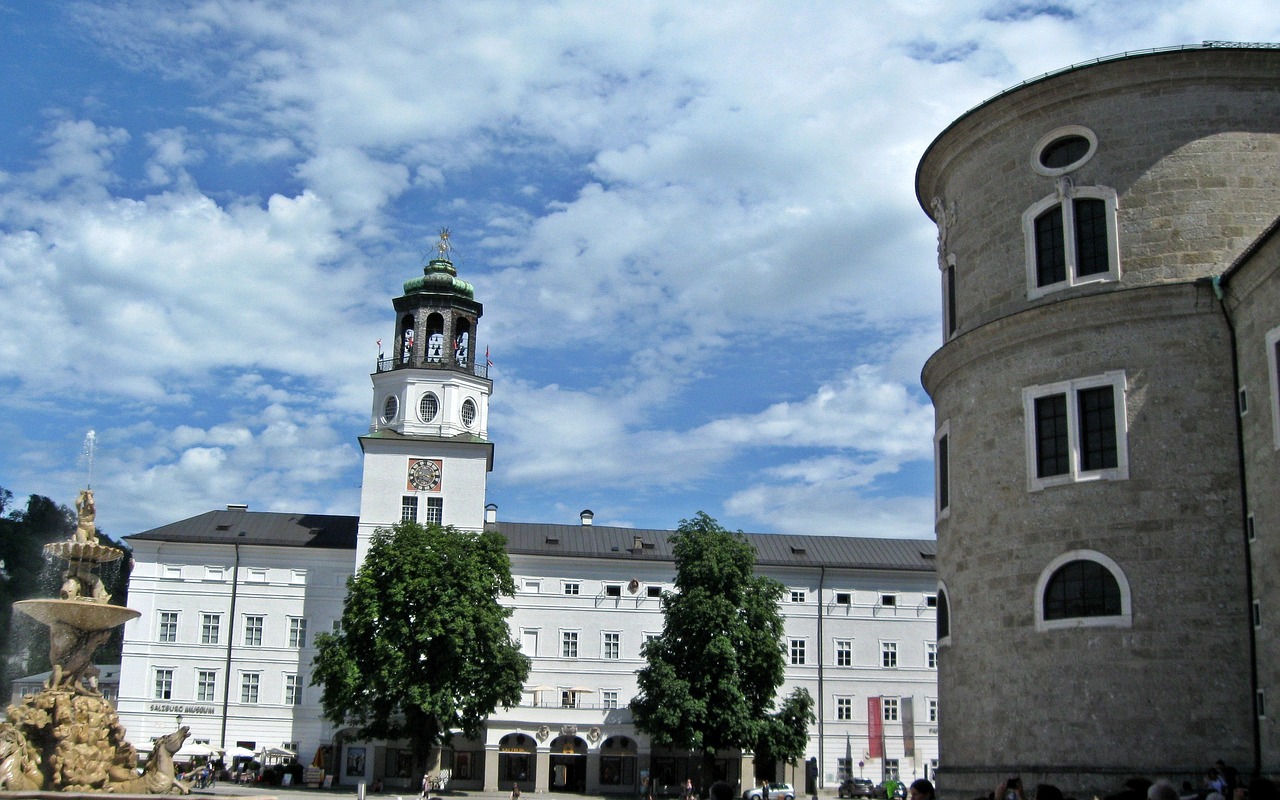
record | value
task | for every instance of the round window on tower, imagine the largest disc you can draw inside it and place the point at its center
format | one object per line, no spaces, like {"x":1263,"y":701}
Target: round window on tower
{"x":389,"y":409}
{"x":468,"y":412}
{"x":428,"y":407}
{"x":1063,"y":149}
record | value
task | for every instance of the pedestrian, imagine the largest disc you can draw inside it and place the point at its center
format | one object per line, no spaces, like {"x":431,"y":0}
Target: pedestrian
{"x":688,"y":789}
{"x":515,"y":791}
{"x":426,"y":785}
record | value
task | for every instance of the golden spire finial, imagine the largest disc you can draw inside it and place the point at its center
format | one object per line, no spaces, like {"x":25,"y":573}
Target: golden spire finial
{"x":443,"y":246}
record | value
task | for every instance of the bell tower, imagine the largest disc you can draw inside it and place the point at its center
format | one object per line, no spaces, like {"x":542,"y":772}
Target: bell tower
{"x":427,"y":454}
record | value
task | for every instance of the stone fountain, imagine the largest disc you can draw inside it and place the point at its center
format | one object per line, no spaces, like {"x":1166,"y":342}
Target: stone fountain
{"x":67,"y":737}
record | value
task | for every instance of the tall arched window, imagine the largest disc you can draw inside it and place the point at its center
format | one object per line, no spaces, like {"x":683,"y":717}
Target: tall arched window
{"x":944,"y":616}
{"x":1082,"y":588}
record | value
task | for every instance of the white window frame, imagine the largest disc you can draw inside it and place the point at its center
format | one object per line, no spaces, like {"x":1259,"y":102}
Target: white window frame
{"x":409,"y":508}
{"x":1273,"y":388}
{"x":611,"y":648}
{"x":298,"y":632}
{"x":931,"y":655}
{"x":532,"y":585}
{"x":843,"y":647}
{"x":292,"y":689}
{"x":1063,"y":197}
{"x":941,"y":472}
{"x":250,"y":688}
{"x":844,"y":709}
{"x":609,"y":698}
{"x":889,"y":709}
{"x":933,"y":709}
{"x":257,"y":630}
{"x":167,"y":632}
{"x":888,"y":652}
{"x":1119,"y":384}
{"x":569,"y":640}
{"x":210,"y":627}
{"x":435,"y":511}
{"x":206,"y":685}
{"x":162,"y":687}
{"x":797,"y":652}
{"x":1122,"y":620}
{"x":798,"y":595}
{"x":571,"y":588}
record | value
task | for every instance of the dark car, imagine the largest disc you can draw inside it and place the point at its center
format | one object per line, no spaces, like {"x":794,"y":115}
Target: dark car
{"x":856,"y":787}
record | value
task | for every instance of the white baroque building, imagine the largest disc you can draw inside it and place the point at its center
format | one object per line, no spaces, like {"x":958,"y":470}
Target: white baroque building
{"x":231,"y":601}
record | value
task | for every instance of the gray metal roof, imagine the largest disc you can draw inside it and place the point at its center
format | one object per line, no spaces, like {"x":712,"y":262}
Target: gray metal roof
{"x":772,"y":549}
{"x":259,"y":528}
{"x":543,"y":539}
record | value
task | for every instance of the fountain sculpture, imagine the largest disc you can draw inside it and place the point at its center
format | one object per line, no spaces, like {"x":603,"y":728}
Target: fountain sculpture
{"x":67,"y":737}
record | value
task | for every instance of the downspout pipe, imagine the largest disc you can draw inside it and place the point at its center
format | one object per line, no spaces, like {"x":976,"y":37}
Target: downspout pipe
{"x":822,"y":722}
{"x":1220,"y":291}
{"x":231,"y":626}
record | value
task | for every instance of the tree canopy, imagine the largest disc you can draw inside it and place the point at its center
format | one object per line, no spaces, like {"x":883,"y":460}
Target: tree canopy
{"x":713,"y":674}
{"x":424,"y":646}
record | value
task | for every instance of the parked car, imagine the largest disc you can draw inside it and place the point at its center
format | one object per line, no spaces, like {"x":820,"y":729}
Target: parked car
{"x":856,"y":787}
{"x":777,"y":791}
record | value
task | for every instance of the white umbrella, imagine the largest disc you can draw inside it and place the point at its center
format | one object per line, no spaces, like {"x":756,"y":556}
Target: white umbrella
{"x":239,"y":752}
{"x":196,"y":750}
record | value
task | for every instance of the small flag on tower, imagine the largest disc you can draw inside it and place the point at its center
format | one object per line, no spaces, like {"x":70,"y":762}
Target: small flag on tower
{"x":487,"y":362}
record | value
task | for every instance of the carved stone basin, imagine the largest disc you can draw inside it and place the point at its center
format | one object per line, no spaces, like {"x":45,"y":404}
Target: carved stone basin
{"x":78,"y":614}
{"x":83,"y":551}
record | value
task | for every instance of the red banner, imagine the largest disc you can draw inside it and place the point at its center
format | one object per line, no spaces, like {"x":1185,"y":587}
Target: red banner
{"x":875,"y":728}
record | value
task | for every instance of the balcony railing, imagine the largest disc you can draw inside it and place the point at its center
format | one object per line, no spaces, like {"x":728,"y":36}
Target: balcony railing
{"x":456,"y":361}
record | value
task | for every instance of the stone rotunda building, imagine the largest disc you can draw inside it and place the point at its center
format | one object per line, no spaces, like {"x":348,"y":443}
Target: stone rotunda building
{"x":1108,"y":422}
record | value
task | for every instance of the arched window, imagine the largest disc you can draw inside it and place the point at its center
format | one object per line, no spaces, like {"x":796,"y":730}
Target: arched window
{"x":1071,"y":239}
{"x":944,"y":616}
{"x":1082,"y":588}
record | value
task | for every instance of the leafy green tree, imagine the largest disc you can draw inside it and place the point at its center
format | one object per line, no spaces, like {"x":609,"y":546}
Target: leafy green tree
{"x":712,"y":676}
{"x":424,"y":646}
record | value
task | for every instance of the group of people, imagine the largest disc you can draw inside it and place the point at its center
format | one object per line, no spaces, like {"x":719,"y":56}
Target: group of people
{"x":1221,"y":782}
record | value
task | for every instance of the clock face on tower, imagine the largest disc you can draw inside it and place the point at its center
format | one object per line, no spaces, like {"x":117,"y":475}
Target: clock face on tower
{"x":424,"y":474}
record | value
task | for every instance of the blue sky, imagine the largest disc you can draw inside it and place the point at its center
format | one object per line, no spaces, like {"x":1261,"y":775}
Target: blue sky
{"x":707,"y":282}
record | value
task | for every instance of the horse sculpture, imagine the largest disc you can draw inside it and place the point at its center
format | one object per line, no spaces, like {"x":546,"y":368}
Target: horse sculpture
{"x":157,"y":776}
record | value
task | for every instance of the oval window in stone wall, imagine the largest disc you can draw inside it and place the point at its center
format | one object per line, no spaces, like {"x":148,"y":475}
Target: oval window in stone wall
{"x":1063,"y":150}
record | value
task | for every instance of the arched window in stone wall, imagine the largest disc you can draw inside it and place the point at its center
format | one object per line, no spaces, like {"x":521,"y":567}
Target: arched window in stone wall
{"x":944,"y":616}
{"x":1071,"y":239}
{"x":1082,"y":588}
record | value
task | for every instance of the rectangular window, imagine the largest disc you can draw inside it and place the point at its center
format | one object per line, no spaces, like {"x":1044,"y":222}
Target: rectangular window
{"x":210,"y":628}
{"x":888,"y":600}
{"x":1076,"y":431}
{"x":435,"y":511}
{"x":613,"y":590}
{"x":292,"y":690}
{"x":942,"y":456}
{"x":1071,"y":240}
{"x":409,"y":508}
{"x":612,"y":645}
{"x":891,"y":769}
{"x":933,"y":710}
{"x":931,"y":655}
{"x":168,"y":626}
{"x":890,"y":706}
{"x":533,"y":587}
{"x":844,"y":598}
{"x":844,"y":768}
{"x":164,"y":685}
{"x":653,"y":591}
{"x":889,"y":654}
{"x":797,"y":651}
{"x":1273,"y":367}
{"x":949,"y":280}
{"x":297,"y":632}
{"x":572,"y":587}
{"x":253,"y":631}
{"x":249,"y":687}
{"x":797,"y":595}
{"x":930,"y":601}
{"x":569,"y":644}
{"x":609,"y":699}
{"x":844,"y":652}
{"x":206,"y":685}
{"x":257,"y":575}
{"x":844,"y":708}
